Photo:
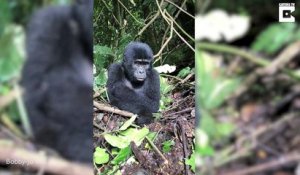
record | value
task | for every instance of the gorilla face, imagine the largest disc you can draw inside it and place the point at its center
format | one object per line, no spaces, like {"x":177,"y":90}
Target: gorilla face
{"x":140,"y":67}
{"x":137,"y":62}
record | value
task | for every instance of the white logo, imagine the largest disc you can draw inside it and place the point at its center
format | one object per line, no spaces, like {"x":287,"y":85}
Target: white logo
{"x":285,"y":12}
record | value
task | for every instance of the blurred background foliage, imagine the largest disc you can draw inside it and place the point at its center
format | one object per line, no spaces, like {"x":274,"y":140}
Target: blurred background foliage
{"x":238,"y":83}
{"x":13,"y":19}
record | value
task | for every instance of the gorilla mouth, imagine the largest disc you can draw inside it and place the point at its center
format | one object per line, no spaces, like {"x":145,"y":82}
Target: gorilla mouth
{"x":140,"y":79}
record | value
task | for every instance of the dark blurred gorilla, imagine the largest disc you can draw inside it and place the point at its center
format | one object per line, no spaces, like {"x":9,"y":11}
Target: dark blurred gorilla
{"x":133,"y":84}
{"x":57,"y":79}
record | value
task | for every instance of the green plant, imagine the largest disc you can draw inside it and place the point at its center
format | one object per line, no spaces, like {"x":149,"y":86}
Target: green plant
{"x":279,"y":34}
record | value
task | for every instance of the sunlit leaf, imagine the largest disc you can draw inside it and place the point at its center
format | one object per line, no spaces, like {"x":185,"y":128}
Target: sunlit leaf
{"x":128,"y":123}
{"x":191,"y":162}
{"x":123,"y":139}
{"x":167,"y":145}
{"x":116,"y":141}
{"x":100,"y":156}
{"x":122,"y":155}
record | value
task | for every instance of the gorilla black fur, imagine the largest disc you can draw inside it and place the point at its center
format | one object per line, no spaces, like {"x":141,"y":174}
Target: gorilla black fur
{"x":57,"y":79}
{"x":133,"y":84}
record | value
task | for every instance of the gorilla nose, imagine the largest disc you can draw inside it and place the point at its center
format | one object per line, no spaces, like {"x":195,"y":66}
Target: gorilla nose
{"x":141,"y":71}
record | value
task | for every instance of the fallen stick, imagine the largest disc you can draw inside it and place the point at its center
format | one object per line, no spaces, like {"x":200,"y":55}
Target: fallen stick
{"x":12,"y":155}
{"x":108,"y":108}
{"x":183,"y":139}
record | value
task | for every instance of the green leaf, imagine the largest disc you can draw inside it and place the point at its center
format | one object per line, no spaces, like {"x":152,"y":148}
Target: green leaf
{"x":123,"y":139}
{"x":213,"y":128}
{"x":135,"y":135}
{"x":128,"y":123}
{"x":225,"y":129}
{"x":191,"y":162}
{"x":165,"y":89}
{"x":12,"y":52}
{"x":274,"y":37}
{"x":100,"y":156}
{"x":116,"y":141}
{"x":184,"y":72}
{"x":122,"y":155}
{"x":152,"y":136}
{"x":214,"y":86}
{"x":203,"y":146}
{"x":100,"y":79}
{"x":167,"y":145}
{"x":220,"y":92}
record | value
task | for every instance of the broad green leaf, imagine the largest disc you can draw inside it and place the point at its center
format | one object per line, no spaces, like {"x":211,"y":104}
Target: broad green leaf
{"x":167,"y":145}
{"x":116,"y":141}
{"x":128,"y":123}
{"x":135,"y":135}
{"x":123,"y":139}
{"x":100,"y":156}
{"x":122,"y":155}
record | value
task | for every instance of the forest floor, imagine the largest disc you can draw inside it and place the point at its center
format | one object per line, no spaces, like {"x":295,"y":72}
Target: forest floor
{"x":175,"y":126}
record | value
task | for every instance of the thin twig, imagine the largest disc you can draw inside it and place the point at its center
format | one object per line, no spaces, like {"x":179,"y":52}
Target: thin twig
{"x":129,"y":12}
{"x":180,"y":28}
{"x":180,"y":8}
{"x":180,"y":112}
{"x":284,"y":57}
{"x":148,"y":24}
{"x":237,"y":51}
{"x":157,"y":151}
{"x":23,"y":112}
{"x":98,"y":93}
{"x":281,"y":161}
{"x":187,"y":78}
{"x":98,"y":126}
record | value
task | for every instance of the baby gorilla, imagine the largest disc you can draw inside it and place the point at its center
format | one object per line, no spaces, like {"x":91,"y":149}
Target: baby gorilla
{"x":133,"y":85}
